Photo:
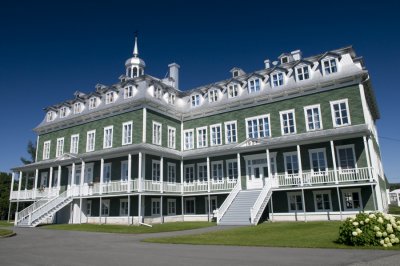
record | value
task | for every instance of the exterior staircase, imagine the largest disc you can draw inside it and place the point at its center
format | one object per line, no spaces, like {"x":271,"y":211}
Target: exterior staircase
{"x":36,"y":213}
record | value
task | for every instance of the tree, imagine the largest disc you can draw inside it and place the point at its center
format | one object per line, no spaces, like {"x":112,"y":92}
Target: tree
{"x":31,"y":149}
{"x":5,"y":186}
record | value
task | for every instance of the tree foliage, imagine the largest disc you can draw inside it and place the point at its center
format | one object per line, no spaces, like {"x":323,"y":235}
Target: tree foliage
{"x":5,"y":186}
{"x":31,"y":149}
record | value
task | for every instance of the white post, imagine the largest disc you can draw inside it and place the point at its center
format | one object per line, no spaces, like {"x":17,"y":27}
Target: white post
{"x":140,"y":208}
{"x":161,"y":175}
{"x":209,"y":207}
{"x":272,"y":209}
{"x":140,"y":174}
{"x":239,"y":169}
{"x":268,"y":163}
{"x":36,"y":182}
{"x":19,"y":184}
{"x":100,"y":209}
{"x":144,"y":125}
{"x":59,"y":178}
{"x":51,"y":179}
{"x":368,"y":158}
{"x":12,"y":186}
{"x":161,"y":210}
{"x":129,"y":208}
{"x":373,"y":197}
{"x":340,"y":203}
{"x":334,"y":162}
{"x":81,"y":190}
{"x":304,"y":205}
{"x":129,"y":173}
{"x":182,"y":184}
{"x":73,"y":175}
{"x":101,"y":175}
{"x":300,"y":166}
{"x":208,"y":175}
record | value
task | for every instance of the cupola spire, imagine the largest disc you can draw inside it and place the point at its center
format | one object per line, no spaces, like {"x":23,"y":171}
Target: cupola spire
{"x":135,"y":48}
{"x":134,"y":65}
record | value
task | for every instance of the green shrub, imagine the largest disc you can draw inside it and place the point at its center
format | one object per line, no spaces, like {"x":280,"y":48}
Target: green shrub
{"x":372,"y":229}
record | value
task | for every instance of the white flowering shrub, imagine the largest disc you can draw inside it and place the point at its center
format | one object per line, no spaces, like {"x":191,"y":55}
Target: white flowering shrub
{"x":374,"y":229}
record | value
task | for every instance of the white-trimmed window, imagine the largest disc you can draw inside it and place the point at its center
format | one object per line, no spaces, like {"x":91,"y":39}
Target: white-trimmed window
{"x":216,"y":134}
{"x":277,"y":79}
{"x":78,"y":108}
{"x":330,"y":66}
{"x":230,"y":132}
{"x":340,"y":113}
{"x":124,"y":171}
{"x":188,"y":139}
{"x":213,"y":95}
{"x":108,"y":137}
{"x":127,"y":133}
{"x":202,"y":172}
{"x":105,"y":207}
{"x":90,"y":140}
{"x":318,"y":161}
{"x":171,"y":137}
{"x":110,"y":98}
{"x":107,"y":172}
{"x":171,"y":98}
{"x":322,"y":200}
{"x":89,"y":208}
{"x":352,"y":200}
{"x":195,"y":100}
{"x":213,"y":203}
{"x":123,"y":207}
{"x":92,"y":103}
{"x":217,"y":171}
{"x":254,"y":85}
{"x":258,"y":126}
{"x":128,"y":92}
{"x":201,"y":137}
{"x":157,"y":127}
{"x":312,"y":115}
{"x":155,"y":170}
{"x":189,"y":173}
{"x":190,"y":205}
{"x":60,"y":147}
{"x":158,"y":93}
{"x":295,"y":201}
{"x":46,"y":150}
{"x":232,"y":169}
{"x":155,"y":206}
{"x":171,"y":206}
{"x":63,"y":111}
{"x":171,"y":173}
{"x":302,"y":73}
{"x":74,"y":144}
{"x":291,"y":163}
{"x":233,"y":91}
{"x":346,"y":157}
{"x":288,"y":122}
{"x":50,"y":116}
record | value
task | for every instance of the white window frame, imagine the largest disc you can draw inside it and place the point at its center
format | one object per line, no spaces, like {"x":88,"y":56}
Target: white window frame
{"x":90,"y":147}
{"x":195,"y":100}
{"x":157,"y":92}
{"x":213,"y":95}
{"x":171,"y":98}
{"x":287,"y":112}
{"x":212,"y":198}
{"x":257,"y":118}
{"x":204,"y":178}
{"x":214,"y":178}
{"x":201,"y":137}
{"x":253,"y":86}
{"x":110,"y":97}
{"x":235,"y":175}
{"x":312,"y":107}
{"x":50,"y":116}
{"x":171,"y":178}
{"x":155,"y":169}
{"x":157,"y":136}
{"x":108,"y":143}
{"x":194,"y":205}
{"x":105,"y":202}
{"x":352,"y":190}
{"x":212,"y":143}
{"x":105,"y":167}
{"x":171,"y":210}
{"x":60,"y":148}
{"x":329,"y":59}
{"x":92,"y":103}
{"x":74,"y":149}
{"x":127,"y":138}
{"x":123,"y":211}
{"x":171,"y":137}
{"x":287,"y":175}
{"x":295,"y":193}
{"x":322,"y":192}
{"x":341,"y":118}
{"x":89,"y":210}
{"x":233,"y":137}
{"x":63,"y":111}
{"x":233,"y":90}
{"x":156,"y":211}
{"x":301,"y":76}
{"x":78,"y":108}
{"x":344,"y":170}
{"x":124,"y":171}
{"x":188,"y":142}
{"x":310,"y":152}
{"x":276,"y":81}
{"x":128,"y":92}
{"x":185,"y":173}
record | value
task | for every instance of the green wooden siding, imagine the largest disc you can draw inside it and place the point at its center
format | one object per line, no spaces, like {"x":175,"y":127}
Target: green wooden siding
{"x":165,"y":121}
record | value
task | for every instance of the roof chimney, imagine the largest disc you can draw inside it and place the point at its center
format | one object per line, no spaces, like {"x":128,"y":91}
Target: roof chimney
{"x":174,"y":73}
{"x":296,"y":55}
{"x":266,"y":62}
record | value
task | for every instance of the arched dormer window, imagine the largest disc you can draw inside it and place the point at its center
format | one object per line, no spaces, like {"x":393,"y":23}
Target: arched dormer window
{"x":63,"y":111}
{"x":92,"y":103}
{"x":157,"y":93}
{"x":277,"y":79}
{"x":110,"y":97}
{"x":213,"y":95}
{"x":195,"y":100}
{"x":233,"y":90}
{"x":50,"y":116}
{"x":254,"y":85}
{"x":128,"y":92}
{"x":78,"y":107}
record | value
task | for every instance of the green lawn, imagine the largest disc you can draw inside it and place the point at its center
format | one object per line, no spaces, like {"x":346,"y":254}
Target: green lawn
{"x":5,"y":232}
{"x":393,"y":209}
{"x":124,"y":229}
{"x":5,"y":223}
{"x":278,"y":234}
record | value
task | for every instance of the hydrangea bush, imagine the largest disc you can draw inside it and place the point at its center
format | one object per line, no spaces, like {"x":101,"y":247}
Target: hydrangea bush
{"x":373,"y":229}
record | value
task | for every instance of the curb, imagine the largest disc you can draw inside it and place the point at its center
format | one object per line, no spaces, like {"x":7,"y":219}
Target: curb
{"x":9,"y":235}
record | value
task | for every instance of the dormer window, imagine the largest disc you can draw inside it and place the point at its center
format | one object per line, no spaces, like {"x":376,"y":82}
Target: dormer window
{"x":302,"y":73}
{"x":50,"y":116}
{"x":213,"y":96}
{"x":110,"y":97}
{"x":128,"y":92}
{"x":63,"y":112}
{"x":195,"y":99}
{"x":77,"y":108}
{"x":235,"y":73}
{"x":233,"y":91}
{"x":254,"y":85}
{"x":277,"y":79}
{"x":329,"y":66}
{"x":92,"y":103}
{"x":171,"y":98}
{"x":158,"y":93}
{"x":284,"y":60}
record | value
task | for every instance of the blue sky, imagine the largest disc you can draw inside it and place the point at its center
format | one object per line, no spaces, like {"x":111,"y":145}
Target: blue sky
{"x":49,"y":50}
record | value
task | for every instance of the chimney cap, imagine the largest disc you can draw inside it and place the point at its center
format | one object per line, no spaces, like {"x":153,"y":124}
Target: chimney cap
{"x":174,"y":65}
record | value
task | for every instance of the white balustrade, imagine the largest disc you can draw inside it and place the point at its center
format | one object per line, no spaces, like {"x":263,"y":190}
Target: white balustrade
{"x":195,"y":186}
{"x":150,"y":185}
{"x":172,"y":187}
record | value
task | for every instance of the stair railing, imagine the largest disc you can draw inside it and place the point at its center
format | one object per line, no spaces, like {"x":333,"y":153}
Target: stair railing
{"x":259,"y":202}
{"x":19,"y":216}
{"x":228,"y":201}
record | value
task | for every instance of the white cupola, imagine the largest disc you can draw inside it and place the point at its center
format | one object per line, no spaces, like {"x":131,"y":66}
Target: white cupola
{"x":134,"y":65}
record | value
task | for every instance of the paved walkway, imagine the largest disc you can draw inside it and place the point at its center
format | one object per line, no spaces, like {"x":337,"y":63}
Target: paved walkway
{"x":38,"y":246}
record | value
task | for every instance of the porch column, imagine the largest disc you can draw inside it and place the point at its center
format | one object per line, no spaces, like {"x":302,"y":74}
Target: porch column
{"x":340,"y":203}
{"x":366,"y":148}
{"x":19,"y":184}
{"x":80,"y":190}
{"x":300,"y":165}
{"x":268,"y":163}
{"x":100,"y":210}
{"x":36,"y":182}
{"x":101,"y":175}
{"x":182,"y":184}
{"x":140,"y":173}
{"x":73,"y":175}
{"x":59,"y":177}
{"x":82,"y":175}
{"x":51,"y":179}
{"x":209,"y":207}
{"x":239,"y":170}
{"x":12,"y":185}
{"x":161,"y":209}
{"x":162,"y":174}
{"x":334,"y":162}
{"x":304,"y":204}
{"x":140,"y":208}
{"x":373,"y":197}
{"x":129,"y":174}
{"x":272,"y":208}
{"x":208,"y":175}
{"x":129,"y":209}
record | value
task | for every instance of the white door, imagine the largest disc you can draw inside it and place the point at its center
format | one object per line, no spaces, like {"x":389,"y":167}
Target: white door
{"x":257,"y":170}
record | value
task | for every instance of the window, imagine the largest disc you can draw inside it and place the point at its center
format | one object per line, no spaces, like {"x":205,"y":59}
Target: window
{"x":155,"y":206}
{"x":254,"y":85}
{"x":202,"y":137}
{"x":128,"y":92}
{"x":340,"y":113}
{"x":303,"y":73}
{"x":60,"y":147}
{"x":157,"y":133}
{"x":171,"y":173}
{"x":124,"y":171}
{"x":107,"y":172}
{"x":188,"y":139}
{"x":213,"y":96}
{"x":352,"y":199}
{"x":92,"y":103}
{"x":171,"y":206}
{"x":258,"y":127}
{"x":74,"y":143}
{"x":171,"y":137}
{"x":230,"y":132}
{"x":213,"y":203}
{"x":318,"y":161}
{"x":158,"y":93}
{"x":63,"y":112}
{"x":110,"y":97}
{"x":189,"y":173}
{"x":216,"y":134}
{"x":90,"y":140}
{"x":202,"y":172}
{"x":232,"y":168}
{"x":123,"y":207}
{"x":77,"y":108}
{"x":346,"y":157}
{"x":277,"y":79}
{"x":171,"y":98}
{"x":235,"y":73}
{"x":105,"y":207}
{"x":46,"y":150}
{"x":50,"y":116}
{"x":88,"y":208}
{"x":127,"y":133}
{"x":288,"y":122}
{"x":155,"y":171}
{"x":295,"y":201}
{"x":195,"y":100}
{"x":284,"y":60}
{"x":190,"y":206}
{"x":313,"y":117}
{"x":322,"y":200}
{"x":330,"y":66}
{"x":291,"y":163}
{"x":233,"y":91}
{"x":217,"y":172}
{"x":108,"y":137}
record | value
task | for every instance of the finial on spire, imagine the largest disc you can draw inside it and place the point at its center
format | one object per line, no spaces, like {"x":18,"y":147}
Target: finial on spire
{"x":135,"y":48}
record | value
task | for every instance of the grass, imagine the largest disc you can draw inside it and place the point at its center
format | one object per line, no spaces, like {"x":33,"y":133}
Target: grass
{"x":5,"y":223}
{"x":393,"y":209}
{"x":279,"y":234}
{"x":5,"y":232}
{"x":124,"y":229}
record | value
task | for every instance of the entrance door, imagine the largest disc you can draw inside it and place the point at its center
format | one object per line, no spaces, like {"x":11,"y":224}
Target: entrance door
{"x":257,"y":170}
